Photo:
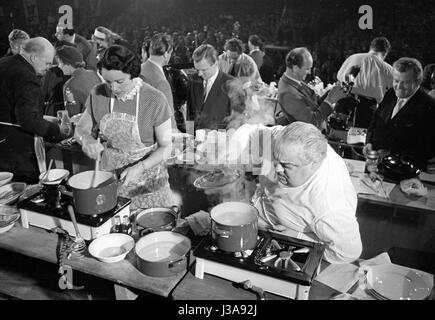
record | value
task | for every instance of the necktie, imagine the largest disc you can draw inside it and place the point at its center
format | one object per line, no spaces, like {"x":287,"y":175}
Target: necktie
{"x":397,"y":108}
{"x":306,"y":89}
{"x":232,"y":71}
{"x":205,"y":90}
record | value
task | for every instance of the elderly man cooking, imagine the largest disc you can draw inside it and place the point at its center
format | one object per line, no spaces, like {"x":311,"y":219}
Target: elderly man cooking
{"x":309,"y":193}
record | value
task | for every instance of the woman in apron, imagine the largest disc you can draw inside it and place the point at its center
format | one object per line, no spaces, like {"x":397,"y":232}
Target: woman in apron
{"x":134,"y":121}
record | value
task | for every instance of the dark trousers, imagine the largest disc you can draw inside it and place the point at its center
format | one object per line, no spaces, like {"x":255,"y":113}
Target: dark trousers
{"x":365,"y":110}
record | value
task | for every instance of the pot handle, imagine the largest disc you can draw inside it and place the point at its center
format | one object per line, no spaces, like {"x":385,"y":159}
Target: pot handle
{"x":177,"y":263}
{"x":146,"y":231}
{"x":177,"y":211}
{"x":222,"y":233}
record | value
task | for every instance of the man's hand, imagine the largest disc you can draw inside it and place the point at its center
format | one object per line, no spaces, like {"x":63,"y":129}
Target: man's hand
{"x":367,"y":148}
{"x":335,"y":94}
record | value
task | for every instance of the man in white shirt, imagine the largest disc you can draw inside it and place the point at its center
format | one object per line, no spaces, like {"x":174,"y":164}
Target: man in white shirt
{"x":310,"y":194}
{"x":372,"y":78}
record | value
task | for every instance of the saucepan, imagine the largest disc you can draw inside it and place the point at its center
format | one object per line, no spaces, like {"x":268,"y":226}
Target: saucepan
{"x":163,"y":254}
{"x":157,"y":219}
{"x":90,"y":200}
{"x":234,"y":226}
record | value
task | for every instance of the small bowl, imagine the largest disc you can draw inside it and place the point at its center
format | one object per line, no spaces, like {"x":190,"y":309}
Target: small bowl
{"x":112,"y":247}
{"x":55,"y":176}
{"x":5,"y":177}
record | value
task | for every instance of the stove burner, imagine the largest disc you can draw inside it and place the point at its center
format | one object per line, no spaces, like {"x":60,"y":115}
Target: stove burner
{"x":276,"y":263}
{"x":38,"y":203}
{"x":51,"y":195}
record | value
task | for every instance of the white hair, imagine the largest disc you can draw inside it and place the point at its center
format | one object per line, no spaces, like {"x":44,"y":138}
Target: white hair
{"x":306,"y":135}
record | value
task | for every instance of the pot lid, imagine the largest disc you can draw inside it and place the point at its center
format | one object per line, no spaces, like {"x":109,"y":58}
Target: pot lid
{"x":217,"y":178}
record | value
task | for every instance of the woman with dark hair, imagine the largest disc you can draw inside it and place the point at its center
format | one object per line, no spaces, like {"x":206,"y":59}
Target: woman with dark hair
{"x":135,"y":119}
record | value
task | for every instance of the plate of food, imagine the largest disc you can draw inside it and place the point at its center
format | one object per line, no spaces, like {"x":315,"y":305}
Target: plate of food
{"x":9,"y":193}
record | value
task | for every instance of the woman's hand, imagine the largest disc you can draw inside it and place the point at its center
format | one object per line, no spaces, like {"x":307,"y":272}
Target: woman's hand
{"x":91,"y":147}
{"x":131,"y":173}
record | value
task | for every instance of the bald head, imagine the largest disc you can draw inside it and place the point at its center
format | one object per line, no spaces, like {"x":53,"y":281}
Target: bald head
{"x":39,"y":52}
{"x":299,"y":63}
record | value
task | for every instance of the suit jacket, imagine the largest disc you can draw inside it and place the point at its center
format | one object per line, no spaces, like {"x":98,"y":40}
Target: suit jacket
{"x":80,"y":85}
{"x":85,"y":48}
{"x":152,"y":75}
{"x":410,"y":133}
{"x":211,"y":113}
{"x":20,"y":94}
{"x":300,"y":103}
{"x":19,"y":105}
{"x":257,"y":55}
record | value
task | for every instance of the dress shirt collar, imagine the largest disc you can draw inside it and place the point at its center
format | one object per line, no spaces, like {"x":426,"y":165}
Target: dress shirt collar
{"x":293,"y":79}
{"x":405,"y":100}
{"x":212,"y":80}
{"x":253,"y":50}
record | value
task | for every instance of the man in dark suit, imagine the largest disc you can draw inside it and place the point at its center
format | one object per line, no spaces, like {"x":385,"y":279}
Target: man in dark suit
{"x":20,"y":116}
{"x":83,"y":45}
{"x":297,"y":101}
{"x":160,"y":51}
{"x":207,"y":103}
{"x":404,"y":122}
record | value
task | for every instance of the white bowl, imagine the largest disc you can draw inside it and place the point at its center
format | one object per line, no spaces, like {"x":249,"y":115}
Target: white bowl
{"x":112,"y":247}
{"x":5,"y":177}
{"x":55,"y":176}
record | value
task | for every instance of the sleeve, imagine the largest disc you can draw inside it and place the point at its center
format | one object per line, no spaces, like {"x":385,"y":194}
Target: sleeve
{"x":162,"y":111}
{"x":295,"y":107}
{"x":28,"y":113}
{"x":341,"y":236}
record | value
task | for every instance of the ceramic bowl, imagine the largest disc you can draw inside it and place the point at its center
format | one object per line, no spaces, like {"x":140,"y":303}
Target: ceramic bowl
{"x":112,"y":247}
{"x":55,"y":176}
{"x":5,"y":177}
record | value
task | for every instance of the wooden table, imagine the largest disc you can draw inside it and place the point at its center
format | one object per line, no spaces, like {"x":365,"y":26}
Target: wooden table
{"x":192,"y":288}
{"x":41,"y":244}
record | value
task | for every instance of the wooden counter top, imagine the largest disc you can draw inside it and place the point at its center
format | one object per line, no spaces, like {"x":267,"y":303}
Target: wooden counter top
{"x":41,"y":244}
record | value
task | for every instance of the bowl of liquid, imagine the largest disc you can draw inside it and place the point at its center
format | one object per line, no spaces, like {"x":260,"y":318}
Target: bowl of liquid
{"x":112,"y":247}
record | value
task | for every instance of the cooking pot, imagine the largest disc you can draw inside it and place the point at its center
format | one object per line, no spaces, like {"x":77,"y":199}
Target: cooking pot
{"x":234,"y":226}
{"x":157,"y":219}
{"x":396,"y":168}
{"x":163,"y":254}
{"x":94,"y":201}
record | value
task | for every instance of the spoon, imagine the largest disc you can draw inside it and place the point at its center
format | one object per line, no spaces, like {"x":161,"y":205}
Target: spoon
{"x":79,"y":244}
{"x":96,"y":169}
{"x":45,"y":176}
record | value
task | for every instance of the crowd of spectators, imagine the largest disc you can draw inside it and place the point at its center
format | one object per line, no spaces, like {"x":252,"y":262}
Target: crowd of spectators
{"x":328,"y":28}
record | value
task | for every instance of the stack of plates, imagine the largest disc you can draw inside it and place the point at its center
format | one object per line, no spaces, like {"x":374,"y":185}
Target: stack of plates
{"x":9,"y":193}
{"x":8,"y":216}
{"x":394,"y":282}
